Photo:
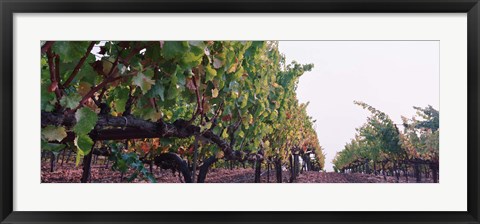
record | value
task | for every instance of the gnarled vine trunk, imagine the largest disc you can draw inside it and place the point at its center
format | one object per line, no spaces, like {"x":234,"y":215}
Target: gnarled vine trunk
{"x":87,"y":160}
{"x":278,"y":170}
{"x":174,"y":162}
{"x":203,"y":170}
{"x":258,"y":170}
{"x":384,"y":171}
{"x":418,"y":175}
{"x":52,"y":161}
{"x":268,"y":172}
{"x":434,"y":168}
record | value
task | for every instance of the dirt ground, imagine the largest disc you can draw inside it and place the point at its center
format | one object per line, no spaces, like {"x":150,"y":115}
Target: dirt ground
{"x":68,"y":173}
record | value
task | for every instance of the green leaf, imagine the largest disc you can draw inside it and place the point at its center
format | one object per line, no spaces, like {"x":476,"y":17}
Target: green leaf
{"x":168,"y":115}
{"x":153,"y":52}
{"x":144,"y":82}
{"x":241,"y":134}
{"x":217,"y":130}
{"x":172,"y":92}
{"x":122,"y":166}
{"x":86,"y":73}
{"x":207,"y":126}
{"x":199,"y":44}
{"x":78,"y":157}
{"x":151,"y":114}
{"x":191,"y":60}
{"x":225,"y":134}
{"x":157,"y":90}
{"x":86,"y":121}
{"x":70,"y":50}
{"x":121,"y":99}
{"x":173,"y":49}
{"x":149,"y":73}
{"x":53,"y":133}
{"x":52,"y":147}
{"x":198,"y":47}
{"x":84,"y":143}
{"x":210,"y":73}
{"x":244,"y":100}
{"x":70,"y":101}
{"x":43,"y":62}
{"x":180,"y":78}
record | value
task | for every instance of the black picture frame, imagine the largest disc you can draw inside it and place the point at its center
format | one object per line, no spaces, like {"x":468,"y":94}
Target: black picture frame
{"x":9,"y":7}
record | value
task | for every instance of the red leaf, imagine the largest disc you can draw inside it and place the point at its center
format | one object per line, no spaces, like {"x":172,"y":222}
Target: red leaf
{"x":227,"y":117}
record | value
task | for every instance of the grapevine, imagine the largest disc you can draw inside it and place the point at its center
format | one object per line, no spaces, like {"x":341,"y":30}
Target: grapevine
{"x":179,"y":105}
{"x":379,"y":144}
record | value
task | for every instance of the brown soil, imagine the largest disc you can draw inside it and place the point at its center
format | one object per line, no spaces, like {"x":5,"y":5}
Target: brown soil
{"x":68,"y":173}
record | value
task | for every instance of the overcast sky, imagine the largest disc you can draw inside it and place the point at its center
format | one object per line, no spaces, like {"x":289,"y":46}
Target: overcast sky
{"x":392,"y":76}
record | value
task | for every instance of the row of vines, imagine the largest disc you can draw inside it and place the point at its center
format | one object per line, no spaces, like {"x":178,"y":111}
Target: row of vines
{"x":380,"y":147}
{"x":178,"y":105}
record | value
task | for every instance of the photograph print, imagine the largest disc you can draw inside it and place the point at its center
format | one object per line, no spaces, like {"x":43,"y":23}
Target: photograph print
{"x":219,"y":111}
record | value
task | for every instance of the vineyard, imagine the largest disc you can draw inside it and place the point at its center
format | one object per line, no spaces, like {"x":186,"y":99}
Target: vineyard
{"x":206,"y":112}
{"x":380,"y":145}
{"x":143,"y":108}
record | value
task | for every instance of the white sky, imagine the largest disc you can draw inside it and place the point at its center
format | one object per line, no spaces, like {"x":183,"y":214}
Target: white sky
{"x":392,"y":76}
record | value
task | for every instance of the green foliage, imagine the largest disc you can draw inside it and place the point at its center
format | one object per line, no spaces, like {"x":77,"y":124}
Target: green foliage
{"x":52,"y":147}
{"x":144,"y":82}
{"x":379,"y":140}
{"x":52,"y":133}
{"x":70,"y":50}
{"x":121,"y":97}
{"x":431,"y":118}
{"x":86,"y":121}
{"x":70,"y":101}
{"x":84,"y":143}
{"x":174,"y":49}
{"x":122,"y":161}
{"x":421,"y":135}
{"x":241,"y":90}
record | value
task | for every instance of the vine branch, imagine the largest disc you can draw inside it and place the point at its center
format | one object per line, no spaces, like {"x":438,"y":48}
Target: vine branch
{"x":53,"y":79}
{"x":47,"y":46}
{"x":79,"y":65}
